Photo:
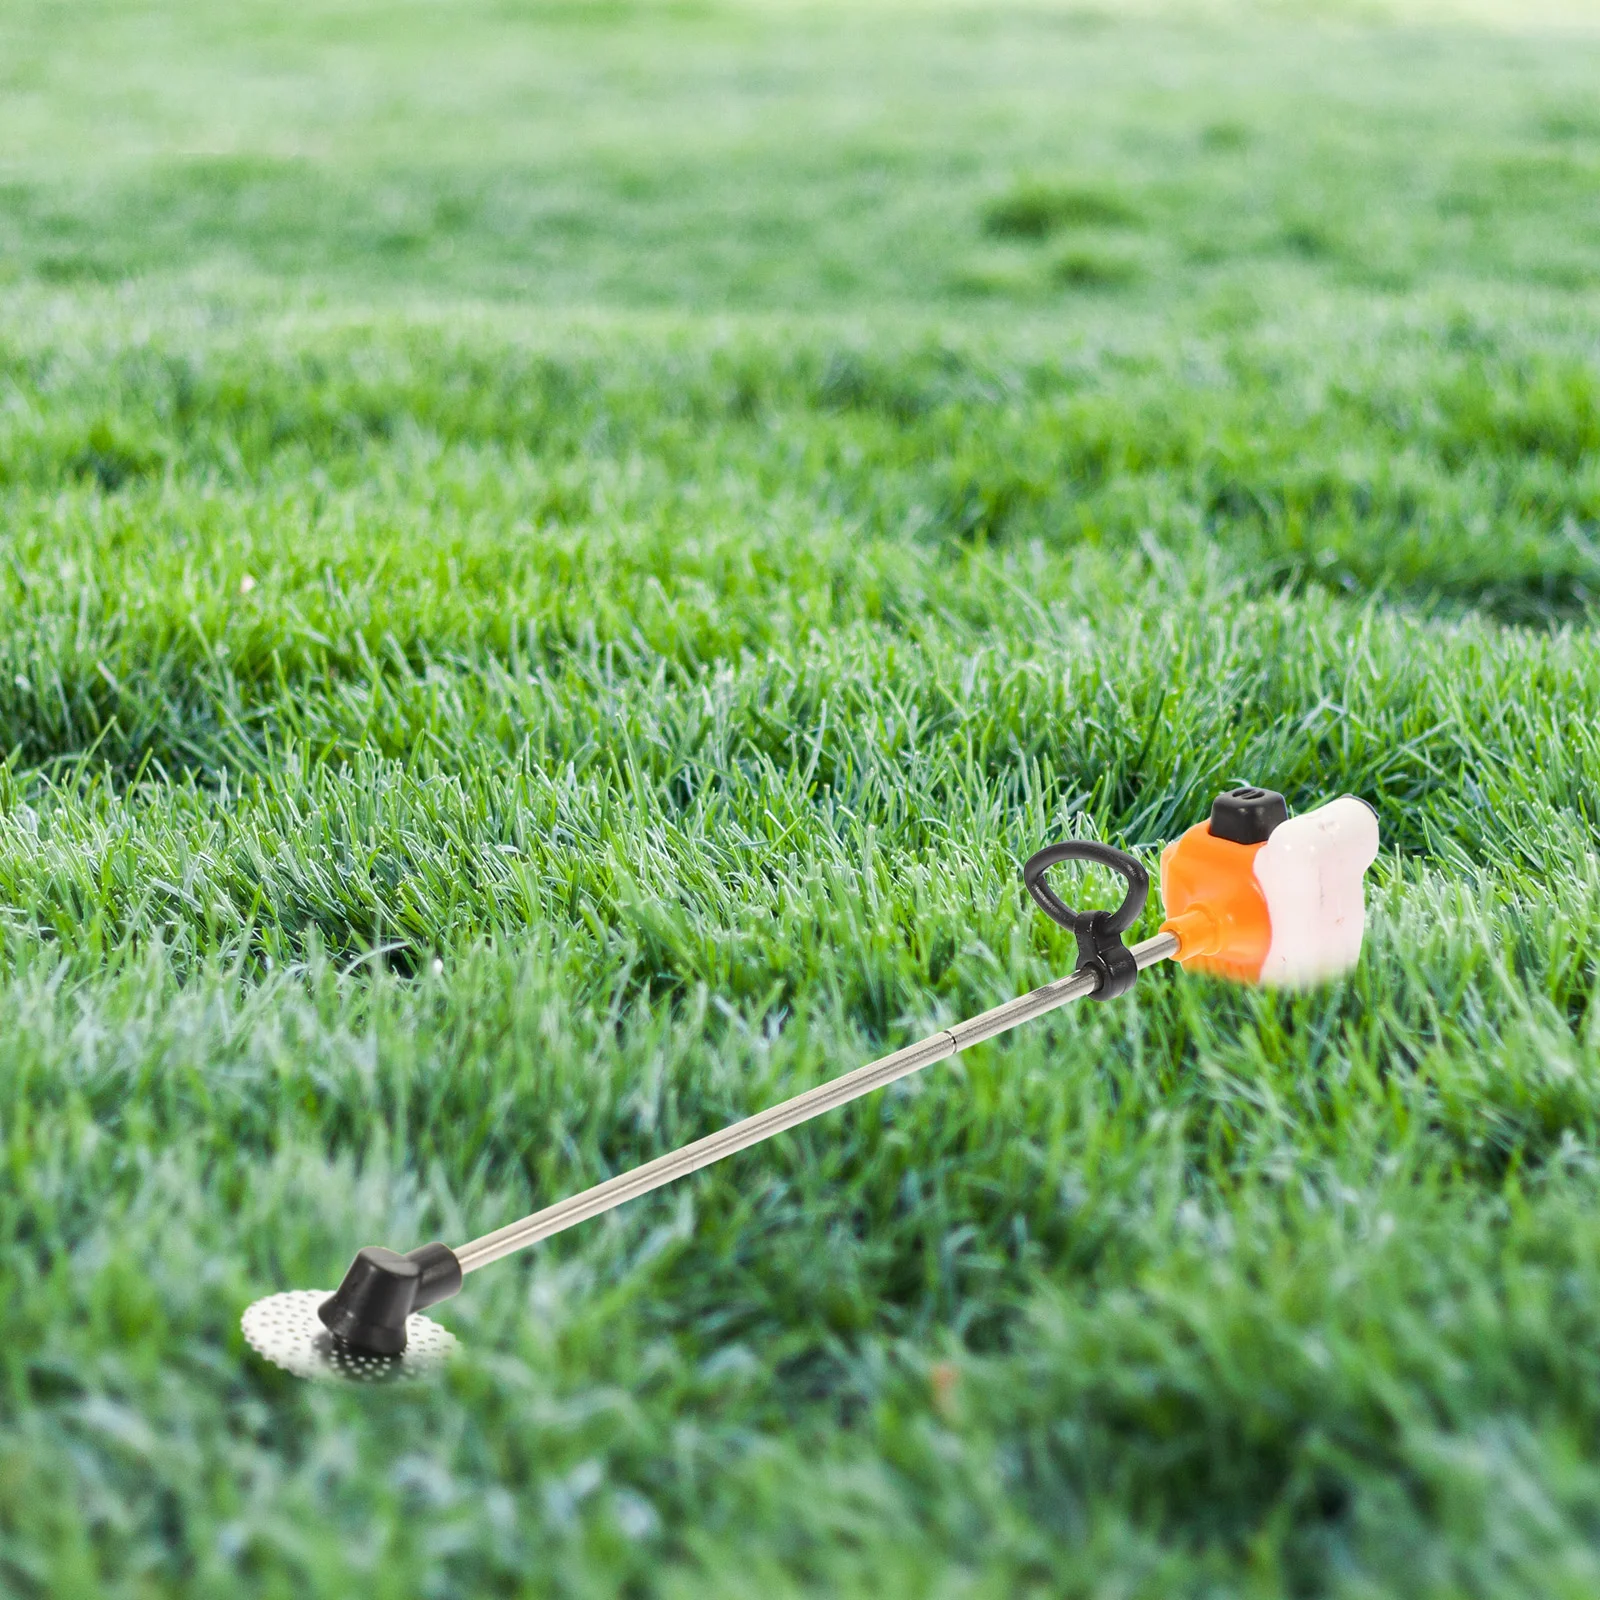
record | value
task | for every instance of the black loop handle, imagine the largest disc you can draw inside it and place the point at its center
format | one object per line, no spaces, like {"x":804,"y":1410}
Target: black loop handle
{"x":1099,"y":933}
{"x":1103,"y":855}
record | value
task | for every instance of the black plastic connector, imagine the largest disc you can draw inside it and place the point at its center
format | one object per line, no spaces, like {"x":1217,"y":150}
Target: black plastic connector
{"x":1099,"y":933}
{"x":382,"y":1288}
{"x":1248,"y":815}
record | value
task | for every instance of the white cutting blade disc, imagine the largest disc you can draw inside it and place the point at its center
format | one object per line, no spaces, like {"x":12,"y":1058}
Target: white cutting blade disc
{"x":286,"y":1329}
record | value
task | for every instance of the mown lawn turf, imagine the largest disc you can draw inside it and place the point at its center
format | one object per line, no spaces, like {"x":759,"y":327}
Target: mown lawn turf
{"x":555,"y":559}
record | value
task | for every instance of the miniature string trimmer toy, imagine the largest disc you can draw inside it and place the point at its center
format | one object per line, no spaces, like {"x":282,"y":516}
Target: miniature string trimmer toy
{"x":1252,"y":895}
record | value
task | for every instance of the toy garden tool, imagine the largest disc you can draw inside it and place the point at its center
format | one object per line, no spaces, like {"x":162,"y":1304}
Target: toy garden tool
{"x":1252,"y":895}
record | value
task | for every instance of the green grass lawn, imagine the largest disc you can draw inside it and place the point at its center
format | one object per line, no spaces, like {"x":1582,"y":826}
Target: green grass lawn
{"x":557,"y":557}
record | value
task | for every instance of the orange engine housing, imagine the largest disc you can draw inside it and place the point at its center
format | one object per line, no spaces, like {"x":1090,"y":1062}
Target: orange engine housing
{"x":1214,"y":904}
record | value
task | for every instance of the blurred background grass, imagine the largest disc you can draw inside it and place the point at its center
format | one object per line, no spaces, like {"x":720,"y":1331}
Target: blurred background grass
{"x":787,"y":157}
{"x":555,"y":559}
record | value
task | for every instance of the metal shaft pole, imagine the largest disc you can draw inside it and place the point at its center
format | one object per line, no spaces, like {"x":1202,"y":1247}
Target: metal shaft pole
{"x":788,"y":1114}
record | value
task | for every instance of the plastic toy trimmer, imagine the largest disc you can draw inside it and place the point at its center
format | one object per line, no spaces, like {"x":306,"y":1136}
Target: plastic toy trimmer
{"x":1253,"y":895}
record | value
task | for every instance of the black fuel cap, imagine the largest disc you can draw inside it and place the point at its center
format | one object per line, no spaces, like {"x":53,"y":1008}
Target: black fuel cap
{"x":1247,"y":815}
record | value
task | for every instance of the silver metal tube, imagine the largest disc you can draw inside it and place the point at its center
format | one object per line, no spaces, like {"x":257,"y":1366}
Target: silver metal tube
{"x":788,"y":1114}
{"x":1038,"y":1001}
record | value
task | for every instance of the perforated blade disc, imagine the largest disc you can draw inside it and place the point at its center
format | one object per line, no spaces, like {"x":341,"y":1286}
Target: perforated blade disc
{"x":286,"y":1329}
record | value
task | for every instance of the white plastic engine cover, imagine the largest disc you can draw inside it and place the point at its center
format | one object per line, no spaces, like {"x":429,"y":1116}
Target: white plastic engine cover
{"x":1310,"y":871}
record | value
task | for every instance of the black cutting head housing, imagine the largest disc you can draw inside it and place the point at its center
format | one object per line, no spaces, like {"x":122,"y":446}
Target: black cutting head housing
{"x":368,"y":1310}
